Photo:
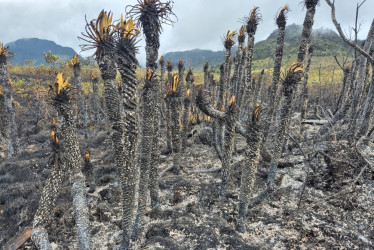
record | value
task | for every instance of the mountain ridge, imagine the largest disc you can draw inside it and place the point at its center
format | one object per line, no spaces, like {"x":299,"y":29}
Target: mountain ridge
{"x":326,"y":42}
{"x":33,"y":48}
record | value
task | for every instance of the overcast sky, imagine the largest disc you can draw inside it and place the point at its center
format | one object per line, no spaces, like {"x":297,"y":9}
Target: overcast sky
{"x":200,"y":24}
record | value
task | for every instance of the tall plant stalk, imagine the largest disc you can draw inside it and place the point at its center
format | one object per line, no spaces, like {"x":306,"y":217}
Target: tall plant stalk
{"x":253,"y":135}
{"x":281,"y":22}
{"x":50,"y":193}
{"x":70,"y":162}
{"x":12,"y":134}
{"x":95,"y":97}
{"x":289,"y":86}
{"x":117,"y":43}
{"x":127,"y":63}
{"x":151,"y":14}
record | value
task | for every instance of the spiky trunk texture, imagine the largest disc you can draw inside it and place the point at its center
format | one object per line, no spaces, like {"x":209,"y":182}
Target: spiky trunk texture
{"x":282,"y":130}
{"x":226,"y":79}
{"x":78,"y":85}
{"x":288,"y":91}
{"x":238,"y":67}
{"x":123,"y":145}
{"x":150,"y":123}
{"x":257,"y":91}
{"x":241,"y":72}
{"x":175,"y":104}
{"x":276,"y":75}
{"x":304,"y":109}
{"x":306,"y":37}
{"x":47,"y":202}
{"x":202,"y":101}
{"x":146,"y":140}
{"x":229,"y":137}
{"x":229,"y":118}
{"x":156,"y":112}
{"x":4,"y":121}
{"x":162,"y":101}
{"x":206,"y":78}
{"x":305,"y":81}
{"x":248,"y":62}
{"x":175,"y":101}
{"x":215,"y":124}
{"x":247,"y":74}
{"x":307,"y":30}
{"x":155,"y":155}
{"x":221,"y":87}
{"x":248,"y":178}
{"x":219,"y":124}
{"x":168,"y":117}
{"x":227,"y":151}
{"x":85,"y":116}
{"x":95,"y":100}
{"x":162,"y":77}
{"x":209,"y":84}
{"x":181,"y":70}
{"x":213,"y":87}
{"x":368,"y":107}
{"x":112,"y":101}
{"x":40,"y":238}
{"x":127,"y":69}
{"x":71,"y":157}
{"x":82,"y":110}
{"x":78,"y":190}
{"x":186,"y":107}
{"x":51,"y":190}
{"x":13,"y":135}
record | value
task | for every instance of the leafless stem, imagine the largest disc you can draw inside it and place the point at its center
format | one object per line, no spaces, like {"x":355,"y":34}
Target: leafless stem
{"x":342,"y":35}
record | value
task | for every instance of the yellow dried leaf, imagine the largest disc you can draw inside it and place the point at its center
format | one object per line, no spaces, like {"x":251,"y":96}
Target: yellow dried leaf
{"x":175,"y":82}
{"x":257,"y":111}
{"x":285,"y":8}
{"x":53,"y":134}
{"x":150,"y":74}
{"x":74,"y":61}
{"x":253,"y":16}
{"x":87,"y":156}
{"x":128,"y":27}
{"x":104,"y":24}
{"x":60,"y":83}
{"x":232,"y":101}
{"x":4,"y":51}
{"x":230,"y":35}
{"x":296,"y":68}
{"x":242,"y":30}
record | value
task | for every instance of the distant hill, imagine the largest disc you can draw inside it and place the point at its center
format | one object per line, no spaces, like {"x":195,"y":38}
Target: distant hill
{"x":196,"y":58}
{"x":33,"y":48}
{"x":326,"y":43}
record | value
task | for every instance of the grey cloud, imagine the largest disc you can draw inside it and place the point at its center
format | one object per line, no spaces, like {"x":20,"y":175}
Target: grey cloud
{"x":200,"y":24}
